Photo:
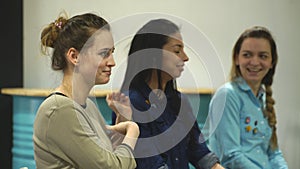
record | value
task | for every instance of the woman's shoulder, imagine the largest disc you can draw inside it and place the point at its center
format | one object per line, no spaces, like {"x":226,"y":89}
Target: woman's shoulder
{"x":57,"y":103}
{"x":55,"y":107}
{"x":55,"y":100}
{"x":228,"y":88}
{"x":228,"y":92}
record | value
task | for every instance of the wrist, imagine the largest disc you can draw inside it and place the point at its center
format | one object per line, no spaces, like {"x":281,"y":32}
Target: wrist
{"x":133,"y":130}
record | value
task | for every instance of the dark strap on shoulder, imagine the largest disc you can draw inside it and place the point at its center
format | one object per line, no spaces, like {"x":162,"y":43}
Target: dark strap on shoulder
{"x":58,"y":93}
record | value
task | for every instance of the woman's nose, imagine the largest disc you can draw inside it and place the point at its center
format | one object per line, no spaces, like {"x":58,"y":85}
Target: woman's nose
{"x":111,"y":61}
{"x":254,"y":60}
{"x":184,"y":57}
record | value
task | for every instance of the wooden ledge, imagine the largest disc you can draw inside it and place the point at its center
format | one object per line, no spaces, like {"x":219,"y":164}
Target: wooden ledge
{"x":94,"y":92}
{"x":196,"y":91}
{"x":26,"y":92}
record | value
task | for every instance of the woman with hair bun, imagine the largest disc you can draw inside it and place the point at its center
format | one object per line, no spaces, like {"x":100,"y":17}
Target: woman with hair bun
{"x":69,"y":130}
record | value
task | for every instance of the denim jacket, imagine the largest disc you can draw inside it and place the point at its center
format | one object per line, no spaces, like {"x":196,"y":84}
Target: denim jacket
{"x":167,"y":139}
{"x":241,"y":137}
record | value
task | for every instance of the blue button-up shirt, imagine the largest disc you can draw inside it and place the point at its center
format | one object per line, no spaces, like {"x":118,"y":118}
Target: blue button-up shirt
{"x":240,"y":132}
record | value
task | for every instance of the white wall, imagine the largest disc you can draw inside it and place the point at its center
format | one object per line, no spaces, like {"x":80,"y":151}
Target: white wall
{"x":220,"y":21}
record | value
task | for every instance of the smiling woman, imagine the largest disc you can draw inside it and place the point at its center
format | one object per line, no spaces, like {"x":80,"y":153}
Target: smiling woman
{"x":243,"y":110}
{"x":173,"y":57}
{"x":95,"y":59}
{"x":69,"y":131}
{"x":254,"y":61}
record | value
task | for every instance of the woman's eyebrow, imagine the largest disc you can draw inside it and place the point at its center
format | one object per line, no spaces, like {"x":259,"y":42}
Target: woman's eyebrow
{"x":178,"y":45}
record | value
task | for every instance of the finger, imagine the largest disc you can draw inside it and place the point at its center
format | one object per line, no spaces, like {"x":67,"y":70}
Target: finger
{"x":108,"y":96}
{"x":127,"y":100}
{"x":109,"y":99}
{"x":117,"y":96}
{"x":123,"y":98}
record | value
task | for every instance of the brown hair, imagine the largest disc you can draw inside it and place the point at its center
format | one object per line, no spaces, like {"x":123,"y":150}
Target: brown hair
{"x":269,"y":112}
{"x":65,"y":33}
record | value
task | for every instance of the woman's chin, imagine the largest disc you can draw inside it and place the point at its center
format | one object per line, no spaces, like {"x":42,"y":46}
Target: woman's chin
{"x":103,"y":81}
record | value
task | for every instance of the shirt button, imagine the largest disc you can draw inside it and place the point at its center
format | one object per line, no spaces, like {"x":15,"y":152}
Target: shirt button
{"x":262,"y":122}
{"x":176,"y":159}
{"x":258,"y":109}
{"x":257,"y":151}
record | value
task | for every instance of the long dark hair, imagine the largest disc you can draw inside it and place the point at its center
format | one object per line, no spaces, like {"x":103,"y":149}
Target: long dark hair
{"x":145,"y":52}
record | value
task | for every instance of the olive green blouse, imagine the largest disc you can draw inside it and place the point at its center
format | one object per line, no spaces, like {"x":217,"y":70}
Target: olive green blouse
{"x":67,"y":135}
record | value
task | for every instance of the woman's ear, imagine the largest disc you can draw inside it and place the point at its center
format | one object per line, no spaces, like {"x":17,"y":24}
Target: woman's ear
{"x":72,"y":56}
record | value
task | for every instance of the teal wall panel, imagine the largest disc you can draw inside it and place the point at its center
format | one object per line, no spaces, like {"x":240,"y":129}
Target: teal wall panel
{"x":24,"y":111}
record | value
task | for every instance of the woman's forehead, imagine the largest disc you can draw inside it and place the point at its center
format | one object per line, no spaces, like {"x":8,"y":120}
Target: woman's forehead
{"x":103,"y":39}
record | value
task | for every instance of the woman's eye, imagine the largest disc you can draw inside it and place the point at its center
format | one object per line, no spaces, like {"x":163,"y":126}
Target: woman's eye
{"x":246,"y":55}
{"x":112,"y":50}
{"x":107,"y":53}
{"x":264,"y":56}
{"x":104,"y":53}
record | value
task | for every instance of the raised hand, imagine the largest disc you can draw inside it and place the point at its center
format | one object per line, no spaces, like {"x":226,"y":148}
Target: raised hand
{"x":120,"y":104}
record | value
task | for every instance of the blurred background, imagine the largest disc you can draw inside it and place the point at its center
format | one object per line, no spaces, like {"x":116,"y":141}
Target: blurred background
{"x":217,"y":23}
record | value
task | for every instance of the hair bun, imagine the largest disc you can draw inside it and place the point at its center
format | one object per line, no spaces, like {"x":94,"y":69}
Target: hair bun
{"x":51,"y":32}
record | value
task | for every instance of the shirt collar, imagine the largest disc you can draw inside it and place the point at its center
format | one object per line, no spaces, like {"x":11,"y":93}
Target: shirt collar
{"x":243,"y":85}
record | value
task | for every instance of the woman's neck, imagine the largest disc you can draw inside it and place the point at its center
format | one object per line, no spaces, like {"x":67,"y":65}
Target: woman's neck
{"x":66,"y":87}
{"x":255,"y":88}
{"x":153,"y":82}
{"x":74,"y":89}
